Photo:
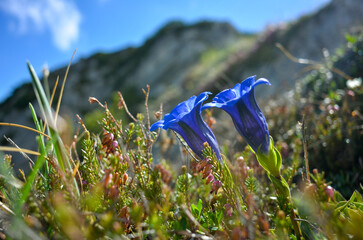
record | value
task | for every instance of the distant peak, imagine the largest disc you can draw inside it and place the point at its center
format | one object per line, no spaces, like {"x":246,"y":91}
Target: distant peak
{"x":177,"y":27}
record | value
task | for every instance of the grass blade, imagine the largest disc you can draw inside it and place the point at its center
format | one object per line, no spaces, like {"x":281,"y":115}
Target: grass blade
{"x":25,"y":127}
{"x":14,"y":149}
{"x":41,"y":143}
{"x":58,"y":146}
{"x":45,"y":108}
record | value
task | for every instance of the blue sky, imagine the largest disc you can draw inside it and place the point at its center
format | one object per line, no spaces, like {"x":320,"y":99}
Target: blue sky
{"x":48,"y":31}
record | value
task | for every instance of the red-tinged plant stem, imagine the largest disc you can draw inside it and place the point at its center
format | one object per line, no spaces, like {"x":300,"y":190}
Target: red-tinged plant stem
{"x":295,"y":224}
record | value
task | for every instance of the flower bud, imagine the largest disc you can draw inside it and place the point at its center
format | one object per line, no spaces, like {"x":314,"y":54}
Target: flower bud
{"x":215,"y":186}
{"x":209,"y":178}
{"x":124,"y":178}
{"x":329,"y":191}
{"x":92,"y":100}
{"x":158,"y":115}
{"x":107,"y":179}
{"x":107,"y":138}
{"x":207,"y":170}
{"x":114,"y":192}
{"x":281,"y":214}
{"x":184,"y":169}
{"x":228,"y":209}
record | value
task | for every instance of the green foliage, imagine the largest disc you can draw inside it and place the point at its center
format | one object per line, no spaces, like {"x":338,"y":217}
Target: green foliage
{"x":124,"y":193}
{"x":332,"y":108}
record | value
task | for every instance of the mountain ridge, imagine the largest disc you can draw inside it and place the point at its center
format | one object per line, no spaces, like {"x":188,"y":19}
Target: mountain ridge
{"x":181,"y":59}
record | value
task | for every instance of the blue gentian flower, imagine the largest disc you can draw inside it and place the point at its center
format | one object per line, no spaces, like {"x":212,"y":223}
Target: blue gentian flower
{"x":240,"y":103}
{"x":187,"y":121}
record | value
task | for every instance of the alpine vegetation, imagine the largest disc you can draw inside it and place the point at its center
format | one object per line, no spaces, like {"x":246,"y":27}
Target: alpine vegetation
{"x":104,"y":181}
{"x":240,"y":103}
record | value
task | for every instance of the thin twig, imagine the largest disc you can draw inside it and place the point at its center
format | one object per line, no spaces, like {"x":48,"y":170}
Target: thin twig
{"x":147,"y":131}
{"x":295,"y":59}
{"x":53,"y":92}
{"x":304,"y":220}
{"x":51,"y":100}
{"x":93,"y":100}
{"x":185,"y":146}
{"x":25,"y":127}
{"x":31,"y":163}
{"x":13,"y":149}
{"x":6,"y":208}
{"x":123,"y":104}
{"x":161,"y":113}
{"x":341,"y":73}
{"x":62,"y":89}
{"x":316,"y":64}
{"x":73,"y":146}
{"x":192,"y":218}
{"x":82,"y":123}
{"x":147,"y":93}
{"x":305,"y":149}
{"x":295,"y":224}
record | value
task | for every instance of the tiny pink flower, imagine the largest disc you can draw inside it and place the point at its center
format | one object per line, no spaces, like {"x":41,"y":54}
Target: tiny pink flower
{"x":228,"y":209}
{"x":215,"y":186}
{"x":210,"y":178}
{"x":329,"y":191}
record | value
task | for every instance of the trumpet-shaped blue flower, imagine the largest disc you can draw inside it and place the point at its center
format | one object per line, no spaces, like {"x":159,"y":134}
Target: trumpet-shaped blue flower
{"x":240,"y":103}
{"x":186,"y":120}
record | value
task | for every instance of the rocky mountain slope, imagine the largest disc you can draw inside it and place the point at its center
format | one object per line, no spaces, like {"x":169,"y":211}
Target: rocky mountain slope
{"x":162,"y":61}
{"x":303,"y":38}
{"x":181,"y":60}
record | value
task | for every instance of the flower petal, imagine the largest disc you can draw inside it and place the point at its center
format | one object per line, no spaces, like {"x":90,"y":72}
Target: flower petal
{"x":240,"y":103}
{"x":158,"y":124}
{"x":186,"y":120}
{"x":261,"y":81}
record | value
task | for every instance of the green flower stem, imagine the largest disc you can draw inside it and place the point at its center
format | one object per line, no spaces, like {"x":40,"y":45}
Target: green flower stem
{"x":283,"y":192}
{"x":271,"y":162}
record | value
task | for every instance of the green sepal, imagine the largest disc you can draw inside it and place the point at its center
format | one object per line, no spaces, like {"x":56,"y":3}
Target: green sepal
{"x":271,"y":162}
{"x":281,"y":186}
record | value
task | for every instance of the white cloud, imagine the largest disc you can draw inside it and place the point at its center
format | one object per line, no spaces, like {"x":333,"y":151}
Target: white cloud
{"x":60,"y":17}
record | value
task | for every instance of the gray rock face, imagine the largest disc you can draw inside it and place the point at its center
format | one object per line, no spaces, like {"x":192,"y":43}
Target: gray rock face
{"x":162,"y":61}
{"x":304,"y":38}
